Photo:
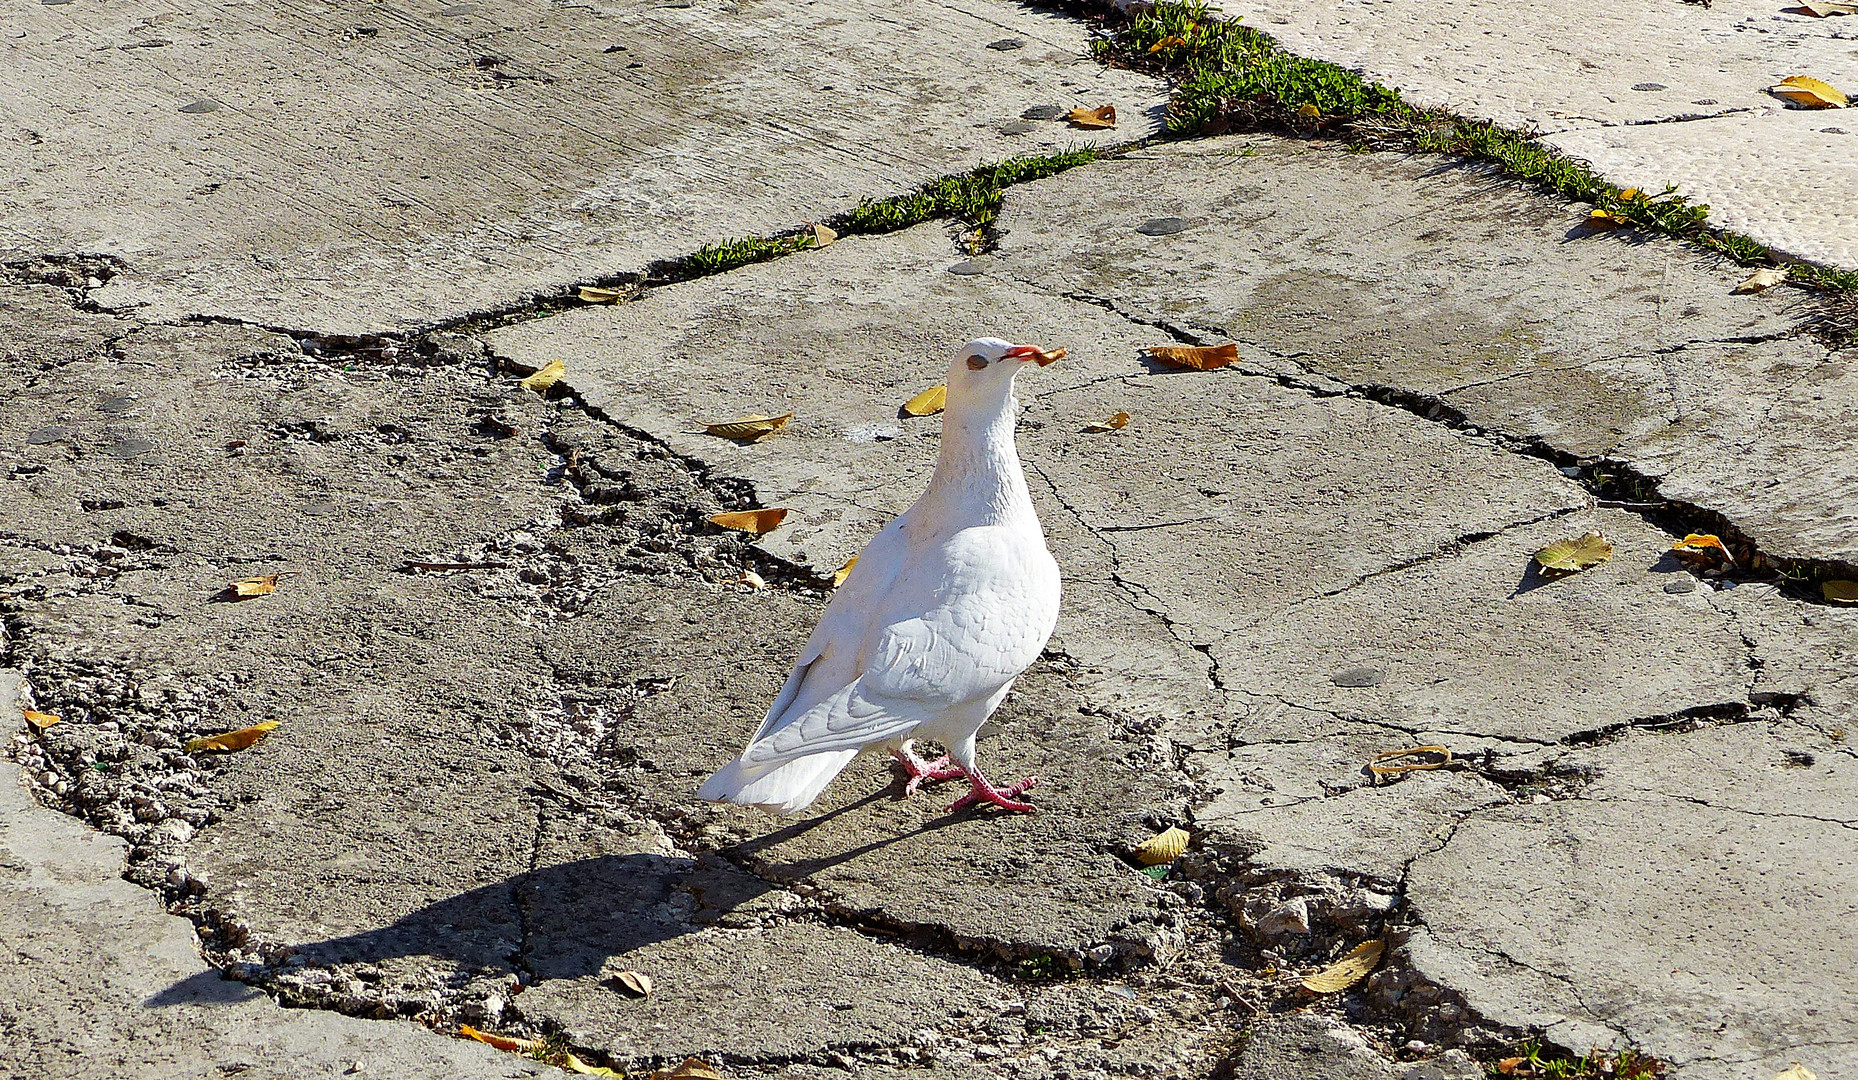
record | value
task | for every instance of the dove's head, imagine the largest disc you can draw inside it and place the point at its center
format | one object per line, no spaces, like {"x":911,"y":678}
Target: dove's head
{"x":984,"y":368}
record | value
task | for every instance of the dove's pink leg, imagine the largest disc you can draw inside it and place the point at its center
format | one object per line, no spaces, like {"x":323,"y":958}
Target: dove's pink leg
{"x":919,"y":770}
{"x":985,"y":792}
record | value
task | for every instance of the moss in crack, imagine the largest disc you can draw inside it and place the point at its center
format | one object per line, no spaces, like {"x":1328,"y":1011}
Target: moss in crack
{"x":1229,"y":77}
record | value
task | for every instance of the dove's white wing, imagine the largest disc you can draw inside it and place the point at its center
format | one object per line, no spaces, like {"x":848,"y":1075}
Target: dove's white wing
{"x":954,"y":628}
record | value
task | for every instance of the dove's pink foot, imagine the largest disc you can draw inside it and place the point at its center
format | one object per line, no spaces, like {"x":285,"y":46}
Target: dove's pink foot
{"x":985,"y":792}
{"x":919,"y":770}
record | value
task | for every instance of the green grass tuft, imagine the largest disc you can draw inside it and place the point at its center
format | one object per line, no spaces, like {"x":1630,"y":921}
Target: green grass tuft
{"x":1530,"y":1060}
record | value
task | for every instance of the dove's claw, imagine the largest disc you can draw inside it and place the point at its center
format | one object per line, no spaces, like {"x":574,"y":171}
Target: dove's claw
{"x":1004,"y":798}
{"x":919,"y":770}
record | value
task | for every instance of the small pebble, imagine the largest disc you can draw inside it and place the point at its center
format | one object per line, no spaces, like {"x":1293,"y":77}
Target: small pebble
{"x":1044,"y":112}
{"x":968,"y":268}
{"x":1650,"y":86}
{"x":1006,"y":43}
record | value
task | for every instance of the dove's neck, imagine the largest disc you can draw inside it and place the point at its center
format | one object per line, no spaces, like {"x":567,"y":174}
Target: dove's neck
{"x":978,"y":479}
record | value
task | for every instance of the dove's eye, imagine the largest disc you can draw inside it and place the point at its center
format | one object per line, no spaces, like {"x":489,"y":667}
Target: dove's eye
{"x":976,"y":363}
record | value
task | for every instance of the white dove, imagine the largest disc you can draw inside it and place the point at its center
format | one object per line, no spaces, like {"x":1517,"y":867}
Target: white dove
{"x":946,"y":606}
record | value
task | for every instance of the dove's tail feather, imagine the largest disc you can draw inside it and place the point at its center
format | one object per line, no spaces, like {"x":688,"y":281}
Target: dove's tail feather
{"x":783,"y":789}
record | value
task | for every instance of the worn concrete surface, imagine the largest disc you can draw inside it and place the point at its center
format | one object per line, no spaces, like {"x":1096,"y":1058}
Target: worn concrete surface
{"x":100,"y":980}
{"x":1431,"y":280}
{"x":354,"y":167}
{"x":1650,"y":93}
{"x":506,"y":645}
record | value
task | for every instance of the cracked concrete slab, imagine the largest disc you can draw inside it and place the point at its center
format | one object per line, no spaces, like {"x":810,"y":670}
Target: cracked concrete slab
{"x":1651,"y":94}
{"x":352,"y":168}
{"x":1603,"y":927}
{"x":95,"y":972}
{"x":1432,"y":280}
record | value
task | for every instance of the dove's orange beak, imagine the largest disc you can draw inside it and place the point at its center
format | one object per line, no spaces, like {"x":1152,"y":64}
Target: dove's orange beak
{"x":1035,"y":354}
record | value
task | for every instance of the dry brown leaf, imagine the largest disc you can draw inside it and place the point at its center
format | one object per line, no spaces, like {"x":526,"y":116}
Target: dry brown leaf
{"x":1444,"y":755}
{"x":1308,"y":110}
{"x":1839,"y":592}
{"x":752,"y":428}
{"x":1797,"y":1072}
{"x":1508,"y":1065}
{"x":1198,"y":357}
{"x":1164,"y":847}
{"x":550,"y":374}
{"x":1347,"y":971}
{"x":1821,"y":10}
{"x":1809,"y":92}
{"x":593,"y":294}
{"x":820,"y":235}
{"x":691,"y":1069}
{"x":635,"y":983}
{"x":254,"y":586}
{"x":576,"y":1065}
{"x":1116,"y":422}
{"x":1763,"y":279}
{"x":40,"y":720}
{"x":927,"y":403}
{"x":751,"y":521}
{"x":514,"y":1046}
{"x":1575,"y":554}
{"x":843,"y":572}
{"x":1103,"y":116}
{"x":1705,"y":545}
{"x":231,"y":740}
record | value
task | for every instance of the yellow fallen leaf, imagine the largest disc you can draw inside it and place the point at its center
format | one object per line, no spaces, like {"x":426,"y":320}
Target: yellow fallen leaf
{"x":1765,"y":278}
{"x":254,"y":586}
{"x":1347,"y":971}
{"x":820,"y":235}
{"x":40,"y":720}
{"x":1810,"y":92}
{"x":843,"y":572}
{"x":1116,"y":422}
{"x":749,"y":428}
{"x":515,"y":1046}
{"x":576,"y":1065}
{"x":751,"y":521}
{"x":1605,"y":219}
{"x":1798,"y":1072}
{"x":1198,"y":357}
{"x":547,"y":377}
{"x":231,"y":740}
{"x":1309,"y":111}
{"x":1839,"y":592}
{"x":927,"y":403}
{"x":1103,"y":116}
{"x":593,"y":294}
{"x":1629,"y":194}
{"x":1169,"y":42}
{"x":1576,"y":554}
{"x":691,"y":1069}
{"x":1444,"y":755}
{"x":1704,"y":544}
{"x":1164,"y":847}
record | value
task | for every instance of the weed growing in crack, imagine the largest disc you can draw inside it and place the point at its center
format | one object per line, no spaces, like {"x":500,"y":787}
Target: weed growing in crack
{"x":1230,"y":77}
{"x":1530,"y":1059}
{"x":973,"y":198}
